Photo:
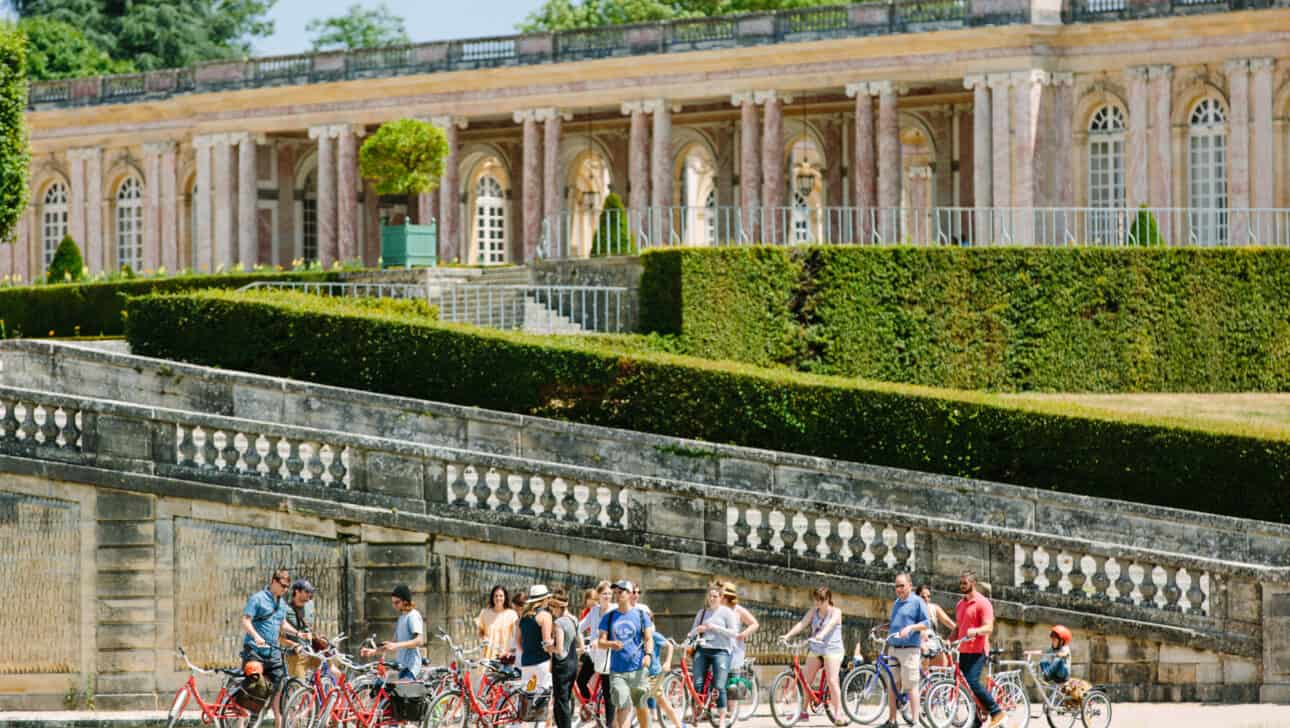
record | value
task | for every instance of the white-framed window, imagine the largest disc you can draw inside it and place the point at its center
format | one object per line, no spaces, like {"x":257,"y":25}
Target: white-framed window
{"x":1106,"y":132}
{"x":53,"y":220}
{"x":1207,"y":172}
{"x":490,"y":221}
{"x":129,"y":223}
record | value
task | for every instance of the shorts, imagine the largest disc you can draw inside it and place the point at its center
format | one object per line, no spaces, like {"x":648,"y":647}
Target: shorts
{"x":908,"y":672}
{"x":275,"y":671}
{"x":655,"y":686}
{"x":536,"y":677}
{"x":629,"y":689}
{"x":299,"y":666}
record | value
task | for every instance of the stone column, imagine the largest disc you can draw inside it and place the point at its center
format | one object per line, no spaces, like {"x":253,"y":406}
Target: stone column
{"x":1262,"y":152}
{"x":248,"y":194}
{"x":749,"y":163}
{"x":1028,"y":87}
{"x":95,"y":245}
{"x":889,"y":165}
{"x":1135,"y":141}
{"x":982,"y":158}
{"x":224,"y":247}
{"x":864,"y":167}
{"x":347,"y":192}
{"x":168,"y":236}
{"x":285,"y":157}
{"x":327,"y":244}
{"x":532,"y":181}
{"x":638,"y":167}
{"x":1060,"y":171}
{"x":372,"y":225}
{"x":1161,"y":161}
{"x":772,"y":164}
{"x":152,"y":203}
{"x":23,"y":269}
{"x":661,"y":171}
{"x":449,"y":208}
{"x":834,"y":161}
{"x":76,"y":195}
{"x":1238,"y":149}
{"x":917,"y":224}
{"x":1000,"y":148}
{"x":204,"y":244}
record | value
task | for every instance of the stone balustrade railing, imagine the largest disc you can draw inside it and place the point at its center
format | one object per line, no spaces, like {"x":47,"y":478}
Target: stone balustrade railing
{"x":839,"y":21}
{"x":1201,"y":600}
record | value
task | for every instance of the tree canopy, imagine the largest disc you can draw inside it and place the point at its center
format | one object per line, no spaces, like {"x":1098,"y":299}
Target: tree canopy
{"x":404,"y":157}
{"x":572,"y":14}
{"x":59,"y":50}
{"x":154,"y":34}
{"x":359,"y":27}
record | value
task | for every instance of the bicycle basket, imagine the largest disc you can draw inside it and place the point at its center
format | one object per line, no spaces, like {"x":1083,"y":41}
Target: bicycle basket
{"x":253,"y":693}
{"x":409,"y":700}
{"x":533,"y":706}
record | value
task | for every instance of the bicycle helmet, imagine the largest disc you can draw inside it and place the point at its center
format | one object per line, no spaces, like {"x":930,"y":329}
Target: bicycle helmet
{"x":1062,"y":634}
{"x":253,"y":668}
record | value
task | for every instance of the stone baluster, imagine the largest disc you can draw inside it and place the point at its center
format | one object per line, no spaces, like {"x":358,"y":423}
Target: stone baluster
{"x":833,"y":542}
{"x":1101,"y":580}
{"x":616,"y":508}
{"x":788,"y":534}
{"x":1124,"y":582}
{"x":503,"y":491}
{"x":764,"y":531}
{"x":71,"y":432}
{"x":1029,"y":570}
{"x":457,"y":486}
{"x":900,"y":550}
{"x":741,"y":529}
{"x":9,"y":423}
{"x":1173,"y":593}
{"x":527,"y":497}
{"x":1077,"y":576}
{"x":548,"y":498}
{"x":593,"y":506}
{"x":252,"y":455}
{"x":879,"y":546}
{"x":811,"y":537}
{"x":1053,"y":572}
{"x":569,"y":502}
{"x":315,"y":463}
{"x":229,"y":452}
{"x":339,"y":472}
{"x":209,"y":452}
{"x":47,"y":429}
{"x":187,"y":449}
{"x":273,"y":458}
{"x":857,"y":543}
{"x":481,"y":491}
{"x":1148,"y":587}
{"x":1195,"y":595}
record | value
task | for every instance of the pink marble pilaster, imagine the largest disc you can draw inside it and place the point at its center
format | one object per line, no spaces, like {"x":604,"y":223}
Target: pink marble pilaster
{"x":889,"y":164}
{"x":327,"y":244}
{"x":864,"y":165}
{"x":1027,"y":92}
{"x":1001,"y":138}
{"x":152,"y":206}
{"x":248,"y":195}
{"x":76,"y":195}
{"x":285,"y":157}
{"x":371,"y":225}
{"x":1136,"y":138}
{"x":917,"y":221}
{"x":203,"y":244}
{"x":551,"y":179}
{"x":1161,"y":172}
{"x":347,"y":212}
{"x":772,"y":165}
{"x":25,"y":266}
{"x":1238,"y":149}
{"x":449,"y":205}
{"x":95,"y":247}
{"x":1058,"y":157}
{"x":833,"y":158}
{"x":749,"y":162}
{"x":168,"y":235}
{"x":223,"y":248}
{"x":638,"y":169}
{"x":661,"y":153}
{"x":982,"y":168}
{"x":532,"y":181}
{"x":1262,"y":153}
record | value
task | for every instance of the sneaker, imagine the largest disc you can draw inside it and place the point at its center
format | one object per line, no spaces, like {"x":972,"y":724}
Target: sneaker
{"x":804,"y":716}
{"x":997,"y":720}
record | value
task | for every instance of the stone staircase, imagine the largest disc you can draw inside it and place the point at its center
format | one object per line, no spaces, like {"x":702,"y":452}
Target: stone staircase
{"x":498,"y":298}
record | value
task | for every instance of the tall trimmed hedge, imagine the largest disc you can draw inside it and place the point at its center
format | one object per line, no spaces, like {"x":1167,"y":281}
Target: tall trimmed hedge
{"x":1014,"y":319}
{"x":594,"y":381}
{"x":15,"y":155}
{"x":94,"y":309}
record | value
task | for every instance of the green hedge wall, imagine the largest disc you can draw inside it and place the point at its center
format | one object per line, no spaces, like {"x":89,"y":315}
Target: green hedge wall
{"x":1012,"y":319}
{"x":595,"y":381}
{"x":94,"y":309}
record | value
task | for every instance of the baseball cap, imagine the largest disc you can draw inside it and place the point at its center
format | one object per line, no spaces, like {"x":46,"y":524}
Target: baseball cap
{"x":302,"y":585}
{"x":623,"y":584}
{"x":402,"y":592}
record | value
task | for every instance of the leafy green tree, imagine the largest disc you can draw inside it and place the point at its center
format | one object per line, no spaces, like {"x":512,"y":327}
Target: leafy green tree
{"x":154,"y":34}
{"x":613,"y":234}
{"x":60,"y":50}
{"x":15,"y":156}
{"x":67,"y":264}
{"x":404,"y":157}
{"x":573,"y":14}
{"x":359,"y":27}
{"x":1145,"y":233}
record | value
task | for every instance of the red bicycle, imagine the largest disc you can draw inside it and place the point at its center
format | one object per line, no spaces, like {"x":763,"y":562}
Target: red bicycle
{"x":591,"y":705}
{"x":230,"y":707}
{"x":502,"y":702}
{"x":360,"y":703}
{"x":679,"y":691}
{"x":952,"y":702}
{"x":792,"y":698}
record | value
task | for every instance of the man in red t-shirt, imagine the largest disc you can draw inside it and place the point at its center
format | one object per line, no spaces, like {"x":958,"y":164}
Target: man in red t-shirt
{"x":975,"y":617}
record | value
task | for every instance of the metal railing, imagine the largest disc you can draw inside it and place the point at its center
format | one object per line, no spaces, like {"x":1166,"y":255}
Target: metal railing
{"x":541,"y":309}
{"x":628,"y":232}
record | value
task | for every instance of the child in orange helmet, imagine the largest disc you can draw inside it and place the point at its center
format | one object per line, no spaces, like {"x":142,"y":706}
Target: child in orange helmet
{"x":1056,"y":662}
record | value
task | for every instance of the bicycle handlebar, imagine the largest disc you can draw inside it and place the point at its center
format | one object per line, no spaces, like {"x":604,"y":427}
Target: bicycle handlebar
{"x":189,"y":663}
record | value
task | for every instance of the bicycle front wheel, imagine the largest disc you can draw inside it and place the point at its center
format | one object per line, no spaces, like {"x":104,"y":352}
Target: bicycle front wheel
{"x":1058,"y":713}
{"x":298,"y":708}
{"x":748,"y":706}
{"x":444,"y":710}
{"x":177,"y":707}
{"x":948,"y":705}
{"x":1015,"y":703}
{"x":787,"y":702}
{"x":864,"y":695}
{"x":1095,"y":710}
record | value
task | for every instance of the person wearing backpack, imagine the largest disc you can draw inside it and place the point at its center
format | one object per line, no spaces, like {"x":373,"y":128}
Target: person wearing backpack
{"x":625,"y":632}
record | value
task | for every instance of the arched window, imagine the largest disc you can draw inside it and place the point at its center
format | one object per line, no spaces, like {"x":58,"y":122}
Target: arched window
{"x":1207,"y":172}
{"x":490,"y":221}
{"x":53,"y":218}
{"x":129,"y":223}
{"x":1106,"y":172}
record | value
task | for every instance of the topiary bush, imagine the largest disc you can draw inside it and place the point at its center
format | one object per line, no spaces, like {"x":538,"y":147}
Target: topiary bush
{"x":1047,"y":446}
{"x":1145,"y":233}
{"x":613,"y":231}
{"x":67,"y":265}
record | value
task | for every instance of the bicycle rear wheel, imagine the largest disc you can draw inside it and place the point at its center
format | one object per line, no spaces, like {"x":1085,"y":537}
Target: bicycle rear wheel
{"x":298,"y":708}
{"x":948,"y":705}
{"x":444,"y":710}
{"x":672,"y":691}
{"x":787,"y":702}
{"x":1095,"y":710}
{"x":1058,"y":713}
{"x":748,"y":706}
{"x":864,"y":695}
{"x":1015,"y":703}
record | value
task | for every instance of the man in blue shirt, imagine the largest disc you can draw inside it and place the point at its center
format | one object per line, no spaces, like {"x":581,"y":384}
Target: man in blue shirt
{"x":626,"y":631}
{"x":262,"y":619}
{"x":909,"y":619}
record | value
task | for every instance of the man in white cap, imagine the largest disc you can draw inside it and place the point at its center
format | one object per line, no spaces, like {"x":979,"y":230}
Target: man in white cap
{"x":625,"y":632}
{"x":535,"y":640}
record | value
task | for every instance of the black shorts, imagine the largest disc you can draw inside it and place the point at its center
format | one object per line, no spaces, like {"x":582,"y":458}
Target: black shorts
{"x":275,"y":669}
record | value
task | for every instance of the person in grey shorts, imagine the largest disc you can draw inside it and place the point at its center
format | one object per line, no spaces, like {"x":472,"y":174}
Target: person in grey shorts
{"x":626,"y":631}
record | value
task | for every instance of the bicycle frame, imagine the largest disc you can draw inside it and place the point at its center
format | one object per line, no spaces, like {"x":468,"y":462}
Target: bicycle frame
{"x":210,"y":711}
{"x":698,"y":699}
{"x":814,"y":698}
{"x":994,"y":687}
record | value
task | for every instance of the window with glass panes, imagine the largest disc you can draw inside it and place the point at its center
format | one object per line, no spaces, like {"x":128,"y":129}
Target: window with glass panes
{"x":53,"y":218}
{"x":490,"y":222}
{"x":1106,"y":173}
{"x":1207,"y":172}
{"x":129,"y":224}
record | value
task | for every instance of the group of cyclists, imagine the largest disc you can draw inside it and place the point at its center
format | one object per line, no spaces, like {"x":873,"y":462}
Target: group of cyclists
{"x":606,"y":662}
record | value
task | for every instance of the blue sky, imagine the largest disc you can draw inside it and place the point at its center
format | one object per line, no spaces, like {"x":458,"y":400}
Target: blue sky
{"x":426,"y":19}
